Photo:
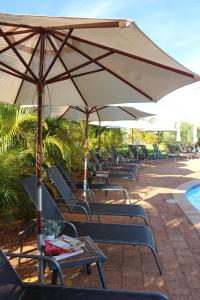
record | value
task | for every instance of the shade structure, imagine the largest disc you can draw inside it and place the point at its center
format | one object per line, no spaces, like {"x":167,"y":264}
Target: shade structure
{"x":97,"y":113}
{"x":74,"y":61}
{"x":159,"y":127}
{"x":178,"y":132}
{"x":194,"y":134}
{"x":85,"y":62}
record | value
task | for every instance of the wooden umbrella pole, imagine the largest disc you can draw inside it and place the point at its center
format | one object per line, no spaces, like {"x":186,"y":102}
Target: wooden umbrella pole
{"x":40,"y":90}
{"x":86,"y":153}
{"x":100,"y":167}
{"x":158,"y":143}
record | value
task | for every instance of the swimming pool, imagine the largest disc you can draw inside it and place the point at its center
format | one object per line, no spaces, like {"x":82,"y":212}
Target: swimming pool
{"x":193,"y":196}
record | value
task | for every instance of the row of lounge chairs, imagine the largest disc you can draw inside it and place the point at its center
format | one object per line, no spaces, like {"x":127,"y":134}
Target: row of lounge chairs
{"x":99,"y":232}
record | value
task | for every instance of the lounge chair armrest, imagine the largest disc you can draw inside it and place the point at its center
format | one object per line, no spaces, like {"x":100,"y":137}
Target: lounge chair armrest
{"x":89,"y":192}
{"x":71,"y":225}
{"x":40,"y":258}
{"x":87,"y":212}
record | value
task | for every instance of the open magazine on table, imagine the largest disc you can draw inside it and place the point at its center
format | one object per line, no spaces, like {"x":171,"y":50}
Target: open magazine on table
{"x":64,"y":247}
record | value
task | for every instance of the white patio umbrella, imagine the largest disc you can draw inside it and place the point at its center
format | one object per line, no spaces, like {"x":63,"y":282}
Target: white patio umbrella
{"x":159,"y":127}
{"x":74,"y":61}
{"x":99,"y":114}
{"x":194,"y":134}
{"x":178,"y":132}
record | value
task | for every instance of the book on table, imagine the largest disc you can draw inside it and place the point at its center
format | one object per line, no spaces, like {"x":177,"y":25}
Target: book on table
{"x":64,"y":247}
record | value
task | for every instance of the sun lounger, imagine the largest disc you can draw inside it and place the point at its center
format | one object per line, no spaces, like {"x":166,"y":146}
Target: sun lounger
{"x":79,"y":206}
{"x":146,"y":154}
{"x":120,"y":158}
{"x":106,"y":187}
{"x":158,"y":153}
{"x":99,"y":232}
{"x":116,"y":173}
{"x":12,"y":288}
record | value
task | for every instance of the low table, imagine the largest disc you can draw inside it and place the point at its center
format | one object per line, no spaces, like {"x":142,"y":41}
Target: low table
{"x":91,"y":254}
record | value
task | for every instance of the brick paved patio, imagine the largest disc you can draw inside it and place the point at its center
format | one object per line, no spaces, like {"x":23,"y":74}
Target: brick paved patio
{"x":177,"y":240}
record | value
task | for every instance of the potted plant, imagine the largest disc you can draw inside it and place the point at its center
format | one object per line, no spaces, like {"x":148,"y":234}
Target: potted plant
{"x":51,"y":229}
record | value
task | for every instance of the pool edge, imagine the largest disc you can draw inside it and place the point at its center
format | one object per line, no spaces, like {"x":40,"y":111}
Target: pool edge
{"x":188,"y":209}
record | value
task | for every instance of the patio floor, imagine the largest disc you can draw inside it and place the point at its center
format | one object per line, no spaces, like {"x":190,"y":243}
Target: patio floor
{"x":178,"y":242}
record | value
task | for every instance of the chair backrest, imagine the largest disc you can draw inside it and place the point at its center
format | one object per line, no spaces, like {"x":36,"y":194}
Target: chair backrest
{"x":144,"y":151}
{"x":114,"y":151}
{"x":111,"y":155}
{"x":157,"y":150}
{"x":11,"y":286}
{"x":66,"y":175}
{"x":62,"y":186}
{"x":95,"y":158}
{"x":50,"y":210}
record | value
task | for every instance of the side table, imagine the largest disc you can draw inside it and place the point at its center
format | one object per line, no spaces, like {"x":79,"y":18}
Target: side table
{"x":91,"y":254}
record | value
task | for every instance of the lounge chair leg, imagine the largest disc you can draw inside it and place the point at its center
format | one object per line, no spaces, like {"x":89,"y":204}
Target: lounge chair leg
{"x":21,"y":245}
{"x":54,"y":277}
{"x":101,"y":275}
{"x":126,"y":196}
{"x":98,"y":218}
{"x":157,"y":260}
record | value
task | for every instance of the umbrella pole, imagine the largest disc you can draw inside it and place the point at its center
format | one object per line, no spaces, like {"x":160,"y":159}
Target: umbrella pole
{"x":40,"y":90}
{"x":100,"y":168}
{"x":39,"y":183}
{"x":86,"y":154}
{"x":132,"y":133}
{"x":158,"y":144}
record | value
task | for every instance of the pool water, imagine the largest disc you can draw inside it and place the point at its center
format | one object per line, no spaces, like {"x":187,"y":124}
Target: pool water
{"x":193,"y":196}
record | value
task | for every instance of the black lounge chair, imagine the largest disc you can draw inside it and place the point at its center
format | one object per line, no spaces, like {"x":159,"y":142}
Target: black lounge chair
{"x":12,"y":288}
{"x":99,"y":232}
{"x":146,"y":154}
{"x":172,"y":151}
{"x":121,"y":159}
{"x":115,"y":173}
{"x":158,"y":153}
{"x":106,"y":187}
{"x":77,"y":206}
{"x":112,"y":167}
{"x":135,"y":154}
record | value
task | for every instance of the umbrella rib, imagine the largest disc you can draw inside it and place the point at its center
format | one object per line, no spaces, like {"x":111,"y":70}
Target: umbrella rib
{"x":73,"y":76}
{"x":81,"y":66}
{"x":107,"y":24}
{"x":66,"y":69}
{"x":18,"y":42}
{"x":16,"y":72}
{"x":7,"y":33}
{"x":57,"y":53}
{"x":106,"y":69}
{"x":61,"y":116}
{"x":15,"y":75}
{"x":111,"y":23}
{"x":17,"y":54}
{"x":112,"y":72}
{"x":129,"y":113}
{"x":34,"y":50}
{"x":148,"y":61}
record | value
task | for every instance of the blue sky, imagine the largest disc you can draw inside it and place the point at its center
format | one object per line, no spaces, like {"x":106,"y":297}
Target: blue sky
{"x":172,"y":24}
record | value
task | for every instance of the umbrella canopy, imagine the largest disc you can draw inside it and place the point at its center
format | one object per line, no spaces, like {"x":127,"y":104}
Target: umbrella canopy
{"x":100,"y":113}
{"x":74,"y":61}
{"x":84,"y":62}
{"x":158,"y":127}
{"x":194,"y":134}
{"x":178,"y":132}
